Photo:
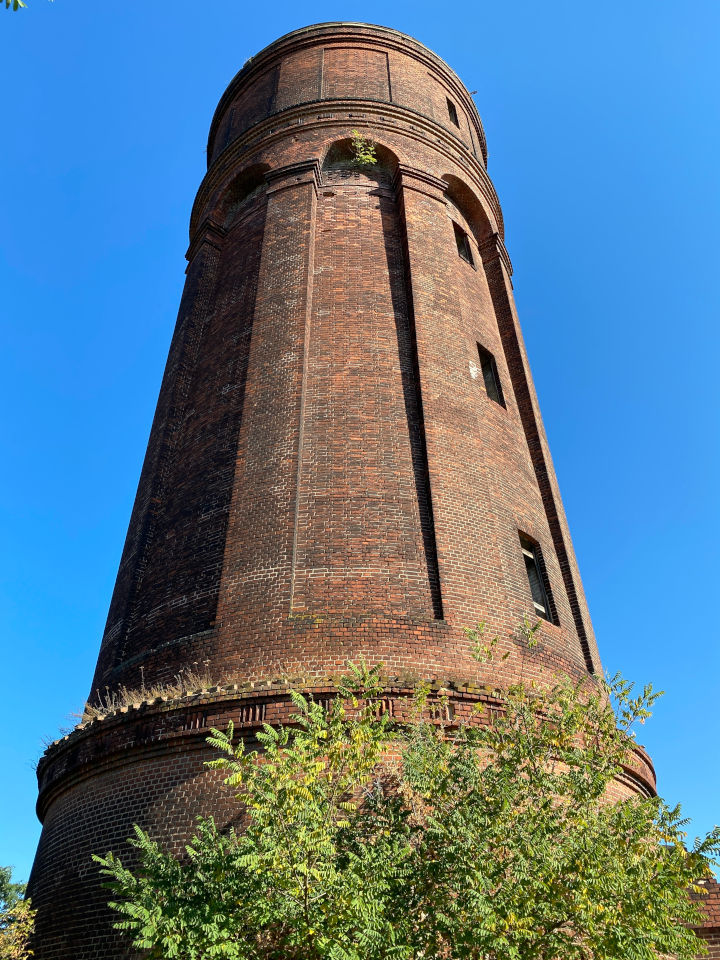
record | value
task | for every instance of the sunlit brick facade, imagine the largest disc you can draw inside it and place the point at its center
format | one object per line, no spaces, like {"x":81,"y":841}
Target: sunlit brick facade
{"x":347,"y":457}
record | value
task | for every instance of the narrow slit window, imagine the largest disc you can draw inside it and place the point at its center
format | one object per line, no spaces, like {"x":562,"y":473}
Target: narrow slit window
{"x":452,"y":112}
{"x":539,"y":587}
{"x":493,"y":387}
{"x":463,"y":244}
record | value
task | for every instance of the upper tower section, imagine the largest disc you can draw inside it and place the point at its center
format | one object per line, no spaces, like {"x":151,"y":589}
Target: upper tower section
{"x":348,"y":65}
{"x":288,"y":97}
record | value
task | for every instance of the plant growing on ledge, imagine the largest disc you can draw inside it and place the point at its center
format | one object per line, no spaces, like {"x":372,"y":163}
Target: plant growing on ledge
{"x":370,"y":839}
{"x":363,"y":149}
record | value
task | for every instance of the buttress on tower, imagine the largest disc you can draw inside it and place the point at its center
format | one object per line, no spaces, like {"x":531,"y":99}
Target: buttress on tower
{"x":347,"y":457}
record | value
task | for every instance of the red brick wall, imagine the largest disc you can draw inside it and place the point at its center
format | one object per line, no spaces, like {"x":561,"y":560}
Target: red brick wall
{"x":712,"y":942}
{"x":162,"y":793}
{"x":326,"y":476}
{"x":711,"y":907}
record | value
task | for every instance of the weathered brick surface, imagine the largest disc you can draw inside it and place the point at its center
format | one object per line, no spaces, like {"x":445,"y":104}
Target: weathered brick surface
{"x":326,"y":476}
{"x":710,"y":932}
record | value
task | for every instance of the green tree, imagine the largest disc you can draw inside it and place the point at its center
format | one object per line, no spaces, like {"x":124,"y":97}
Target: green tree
{"x":16,"y":919}
{"x":367,"y":840}
{"x":10,"y":893}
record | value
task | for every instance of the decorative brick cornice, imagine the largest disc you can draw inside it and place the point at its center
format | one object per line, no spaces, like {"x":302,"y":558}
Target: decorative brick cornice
{"x":292,"y":174}
{"x":413,"y":178}
{"x":162,"y":725}
{"x":209,"y":232}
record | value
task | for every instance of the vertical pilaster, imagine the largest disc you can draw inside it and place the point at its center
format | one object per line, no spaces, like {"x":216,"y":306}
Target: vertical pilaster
{"x":257,"y":574}
{"x":450,"y":421}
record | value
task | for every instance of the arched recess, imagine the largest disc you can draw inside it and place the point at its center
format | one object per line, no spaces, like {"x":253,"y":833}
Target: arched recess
{"x":239,"y":192}
{"x":340,"y":164}
{"x":474,"y":213}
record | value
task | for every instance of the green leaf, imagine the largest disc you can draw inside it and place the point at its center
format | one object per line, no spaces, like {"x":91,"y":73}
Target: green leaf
{"x":364,"y":840}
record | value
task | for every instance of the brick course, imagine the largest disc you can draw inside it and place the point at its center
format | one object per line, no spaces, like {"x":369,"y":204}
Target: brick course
{"x":710,"y":932}
{"x":326,"y":477}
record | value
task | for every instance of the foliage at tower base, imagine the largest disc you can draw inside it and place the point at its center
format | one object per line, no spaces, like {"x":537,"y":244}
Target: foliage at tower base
{"x":17,"y":919}
{"x":367,"y":840}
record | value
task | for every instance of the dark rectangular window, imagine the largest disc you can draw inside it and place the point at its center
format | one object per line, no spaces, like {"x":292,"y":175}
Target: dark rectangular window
{"x":463,"y":244}
{"x":452,"y":112}
{"x":537,"y":578}
{"x":491,"y":376}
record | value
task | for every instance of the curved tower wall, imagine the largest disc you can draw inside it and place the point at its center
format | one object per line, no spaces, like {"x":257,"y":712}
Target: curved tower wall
{"x":324,"y":446}
{"x":327,"y":476}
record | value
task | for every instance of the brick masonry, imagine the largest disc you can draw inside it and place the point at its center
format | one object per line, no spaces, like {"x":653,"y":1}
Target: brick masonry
{"x":710,"y":932}
{"x":326,"y":476}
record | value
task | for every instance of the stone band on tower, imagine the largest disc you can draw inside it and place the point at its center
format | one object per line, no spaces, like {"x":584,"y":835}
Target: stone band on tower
{"x":347,"y":457}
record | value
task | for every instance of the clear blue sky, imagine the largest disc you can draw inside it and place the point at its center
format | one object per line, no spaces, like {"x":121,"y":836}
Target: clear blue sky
{"x":604,"y":141}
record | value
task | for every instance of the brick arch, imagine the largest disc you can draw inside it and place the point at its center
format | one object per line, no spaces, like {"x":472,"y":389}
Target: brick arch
{"x":233,"y":196}
{"x":469,"y":205}
{"x":339,"y":156}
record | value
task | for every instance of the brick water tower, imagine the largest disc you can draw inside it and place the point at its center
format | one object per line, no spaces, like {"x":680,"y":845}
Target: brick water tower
{"x":347,"y":457}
